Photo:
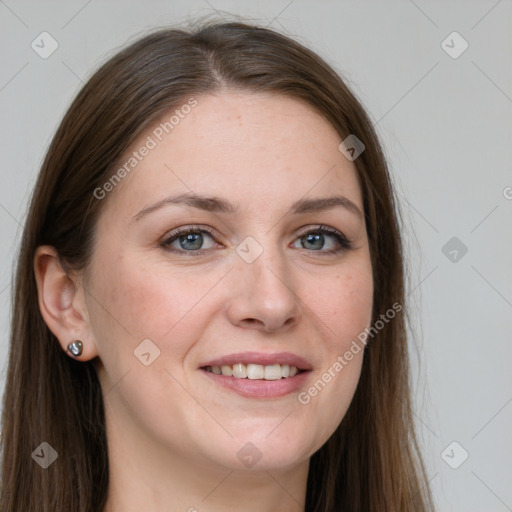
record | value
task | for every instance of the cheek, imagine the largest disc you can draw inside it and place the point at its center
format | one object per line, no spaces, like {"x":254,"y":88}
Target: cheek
{"x":343,"y":303}
{"x":343,"y":306}
{"x":134,"y":300}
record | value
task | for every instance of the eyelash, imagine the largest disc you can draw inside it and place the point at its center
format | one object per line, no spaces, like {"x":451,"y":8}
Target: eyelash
{"x":341,"y":239}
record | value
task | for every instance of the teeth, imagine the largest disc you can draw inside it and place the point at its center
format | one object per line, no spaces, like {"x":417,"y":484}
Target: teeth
{"x":240,"y":371}
{"x":227,"y":370}
{"x":273,"y":372}
{"x":255,"y":371}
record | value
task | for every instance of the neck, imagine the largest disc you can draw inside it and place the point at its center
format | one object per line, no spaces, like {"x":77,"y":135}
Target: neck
{"x":146,"y":476}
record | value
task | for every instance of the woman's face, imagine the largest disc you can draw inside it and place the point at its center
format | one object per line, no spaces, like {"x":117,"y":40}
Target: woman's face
{"x":256,"y":178}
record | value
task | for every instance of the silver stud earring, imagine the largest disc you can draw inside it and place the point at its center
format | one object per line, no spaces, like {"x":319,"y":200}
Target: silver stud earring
{"x":76,"y":347}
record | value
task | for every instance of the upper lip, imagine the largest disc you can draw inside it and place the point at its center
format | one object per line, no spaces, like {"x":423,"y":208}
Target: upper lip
{"x":263,"y":358}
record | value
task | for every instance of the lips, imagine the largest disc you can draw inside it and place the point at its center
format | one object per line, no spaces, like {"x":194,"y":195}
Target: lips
{"x":259,"y":375}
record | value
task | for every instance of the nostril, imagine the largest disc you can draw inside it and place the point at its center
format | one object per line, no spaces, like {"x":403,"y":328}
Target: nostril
{"x":251,"y":321}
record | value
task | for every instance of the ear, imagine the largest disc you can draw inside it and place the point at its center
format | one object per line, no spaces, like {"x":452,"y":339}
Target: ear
{"x":62,"y":304}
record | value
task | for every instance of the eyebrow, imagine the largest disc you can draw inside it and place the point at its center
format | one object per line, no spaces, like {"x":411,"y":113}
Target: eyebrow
{"x":219,"y":205}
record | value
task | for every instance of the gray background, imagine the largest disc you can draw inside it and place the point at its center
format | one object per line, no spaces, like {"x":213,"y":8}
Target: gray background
{"x":446,"y":126}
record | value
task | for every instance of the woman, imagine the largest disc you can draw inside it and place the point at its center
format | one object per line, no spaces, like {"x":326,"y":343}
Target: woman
{"x":209,"y":304}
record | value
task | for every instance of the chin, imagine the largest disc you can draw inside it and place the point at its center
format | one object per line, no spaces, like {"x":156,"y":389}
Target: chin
{"x":265,"y":452}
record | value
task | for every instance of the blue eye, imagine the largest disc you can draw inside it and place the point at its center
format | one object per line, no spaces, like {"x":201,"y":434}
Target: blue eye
{"x":321,"y":239}
{"x":189,"y":239}
{"x":317,"y":238}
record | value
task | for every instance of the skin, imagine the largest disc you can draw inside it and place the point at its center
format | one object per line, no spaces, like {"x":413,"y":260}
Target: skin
{"x":173,"y":434}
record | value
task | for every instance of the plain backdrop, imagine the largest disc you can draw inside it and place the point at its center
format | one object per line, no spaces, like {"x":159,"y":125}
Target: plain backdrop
{"x":443,"y":112}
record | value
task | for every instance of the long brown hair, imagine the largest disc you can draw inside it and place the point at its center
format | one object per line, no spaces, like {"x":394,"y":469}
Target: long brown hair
{"x":371,"y":462}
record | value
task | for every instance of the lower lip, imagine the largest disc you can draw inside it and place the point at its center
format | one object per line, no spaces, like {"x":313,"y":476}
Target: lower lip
{"x":255,"y":388}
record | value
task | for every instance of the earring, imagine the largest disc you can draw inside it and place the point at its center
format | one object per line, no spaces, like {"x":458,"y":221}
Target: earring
{"x":76,"y":347}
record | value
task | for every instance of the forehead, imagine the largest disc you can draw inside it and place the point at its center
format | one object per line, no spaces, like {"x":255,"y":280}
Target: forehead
{"x":251,"y":148}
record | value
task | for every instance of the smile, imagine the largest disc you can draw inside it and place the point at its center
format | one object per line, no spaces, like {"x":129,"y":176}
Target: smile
{"x":262,"y":375}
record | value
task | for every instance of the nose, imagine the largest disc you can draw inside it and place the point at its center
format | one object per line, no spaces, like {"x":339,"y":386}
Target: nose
{"x":263,"y":295}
